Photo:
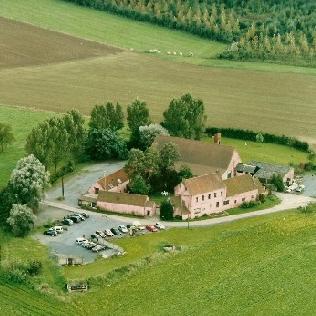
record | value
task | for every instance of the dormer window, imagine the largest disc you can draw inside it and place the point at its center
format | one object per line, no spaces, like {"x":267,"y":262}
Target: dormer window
{"x":209,"y":196}
{"x":214,"y":194}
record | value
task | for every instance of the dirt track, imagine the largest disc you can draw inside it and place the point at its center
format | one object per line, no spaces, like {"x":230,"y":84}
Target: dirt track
{"x":22,"y":44}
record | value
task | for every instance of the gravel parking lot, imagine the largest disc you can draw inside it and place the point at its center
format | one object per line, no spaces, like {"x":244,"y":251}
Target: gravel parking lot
{"x":64,"y":244}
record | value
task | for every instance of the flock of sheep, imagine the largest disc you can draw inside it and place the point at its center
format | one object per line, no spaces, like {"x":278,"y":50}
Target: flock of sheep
{"x":156,"y":51}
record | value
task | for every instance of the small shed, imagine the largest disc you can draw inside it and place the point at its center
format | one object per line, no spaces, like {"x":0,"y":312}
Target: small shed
{"x":69,"y":260}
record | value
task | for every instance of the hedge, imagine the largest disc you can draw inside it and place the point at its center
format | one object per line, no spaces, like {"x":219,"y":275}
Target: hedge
{"x":251,"y":136}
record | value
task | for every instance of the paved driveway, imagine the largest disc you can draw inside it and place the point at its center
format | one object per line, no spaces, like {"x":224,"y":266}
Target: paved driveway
{"x":79,"y":183}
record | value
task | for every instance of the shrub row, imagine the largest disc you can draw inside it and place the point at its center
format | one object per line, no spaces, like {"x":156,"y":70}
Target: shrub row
{"x":251,"y":136}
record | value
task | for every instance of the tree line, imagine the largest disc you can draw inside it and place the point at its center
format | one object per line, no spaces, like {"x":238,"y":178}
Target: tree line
{"x":265,"y":30}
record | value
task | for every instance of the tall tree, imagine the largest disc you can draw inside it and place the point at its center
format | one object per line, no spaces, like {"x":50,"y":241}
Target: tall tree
{"x":28,"y":182}
{"x":107,"y":117}
{"x":137,"y":115}
{"x":6,"y":136}
{"x":185,"y":117}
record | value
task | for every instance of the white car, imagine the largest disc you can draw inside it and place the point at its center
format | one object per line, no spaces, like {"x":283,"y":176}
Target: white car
{"x":57,"y":229}
{"x":123,"y":229}
{"x":160,"y":226}
{"x":108,"y":233}
{"x":80,"y":240}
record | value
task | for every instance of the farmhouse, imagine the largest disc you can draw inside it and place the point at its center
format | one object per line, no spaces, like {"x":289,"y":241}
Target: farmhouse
{"x":135,"y":204}
{"x":115,"y":182}
{"x":264,"y":171}
{"x":208,"y":194}
{"x":204,"y":158}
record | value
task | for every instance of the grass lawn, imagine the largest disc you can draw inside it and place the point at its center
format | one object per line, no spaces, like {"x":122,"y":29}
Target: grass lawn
{"x":265,"y":152}
{"x":22,"y":121}
{"x":262,"y":265}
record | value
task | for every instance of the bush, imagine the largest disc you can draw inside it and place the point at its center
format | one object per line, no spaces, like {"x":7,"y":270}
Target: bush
{"x":250,"y":204}
{"x":34,"y":268}
{"x":309,"y":209}
{"x":277,"y":181}
{"x":166,"y":210}
{"x":21,"y":220}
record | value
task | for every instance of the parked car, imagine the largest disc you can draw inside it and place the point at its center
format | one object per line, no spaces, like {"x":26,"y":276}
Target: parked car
{"x":50,"y":233}
{"x":80,"y":240}
{"x":123,"y":229}
{"x":108,"y":233}
{"x":138,"y":225}
{"x":160,"y":226}
{"x":98,"y":248}
{"x":68,"y":221}
{"x":75,"y":219}
{"x":115,"y":231}
{"x":80,"y":216}
{"x":57,"y":229}
{"x":91,"y":245}
{"x":151,"y":228}
{"x":94,"y":236}
{"x":100,"y":233}
{"x":85,"y":215}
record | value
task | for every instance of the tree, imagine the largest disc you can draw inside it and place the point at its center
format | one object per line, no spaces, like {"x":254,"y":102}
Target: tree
{"x":105,"y":144}
{"x":50,"y":142}
{"x":138,"y":185}
{"x":169,"y":154}
{"x":28,"y":181}
{"x":107,"y":117}
{"x":166,"y":210}
{"x":185,"y":117}
{"x":135,"y":163}
{"x":277,"y":181}
{"x":147,"y":134}
{"x":137,"y":115}
{"x":75,"y":128}
{"x":6,"y":136}
{"x":21,"y":220}
{"x":184,"y":173}
{"x":259,"y":138}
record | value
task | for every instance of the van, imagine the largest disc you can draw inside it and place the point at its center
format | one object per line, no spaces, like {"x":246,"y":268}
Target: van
{"x":58,"y":229}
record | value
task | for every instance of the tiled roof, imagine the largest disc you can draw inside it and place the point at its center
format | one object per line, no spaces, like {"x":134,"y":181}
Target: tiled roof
{"x":203,"y":184}
{"x":197,"y":153}
{"x":123,"y":198}
{"x":242,"y":184}
{"x":113,"y":179}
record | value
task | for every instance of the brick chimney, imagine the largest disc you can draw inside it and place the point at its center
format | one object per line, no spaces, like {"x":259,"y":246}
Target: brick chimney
{"x":217,"y":138}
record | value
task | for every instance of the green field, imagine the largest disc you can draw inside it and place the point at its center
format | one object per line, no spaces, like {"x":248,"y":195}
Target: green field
{"x":263,"y":265}
{"x":22,"y":121}
{"x":280,"y":101}
{"x":266,"y":152}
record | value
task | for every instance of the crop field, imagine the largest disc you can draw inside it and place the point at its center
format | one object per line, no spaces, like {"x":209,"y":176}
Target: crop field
{"x":282,"y":103}
{"x":262,"y":265}
{"x":279,"y":102}
{"x":25,"y":45}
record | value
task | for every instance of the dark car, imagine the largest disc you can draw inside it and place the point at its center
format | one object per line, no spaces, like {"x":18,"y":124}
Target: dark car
{"x":75,"y":219}
{"x":83,"y":218}
{"x":85,"y":215}
{"x":115,"y":231}
{"x":50,"y":232}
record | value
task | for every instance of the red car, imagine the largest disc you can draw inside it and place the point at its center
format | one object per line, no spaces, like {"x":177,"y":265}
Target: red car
{"x":151,"y":228}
